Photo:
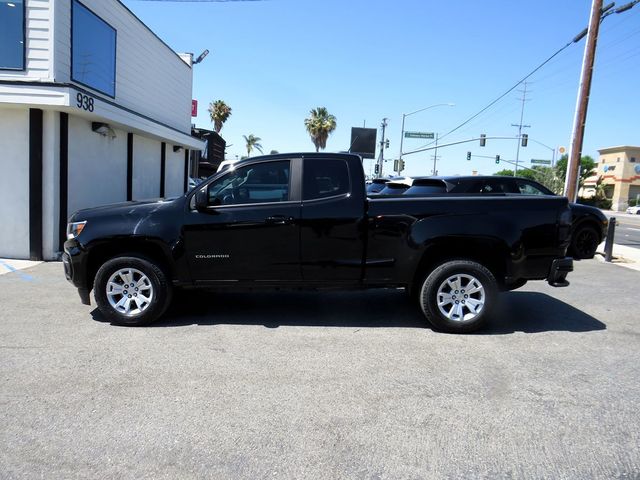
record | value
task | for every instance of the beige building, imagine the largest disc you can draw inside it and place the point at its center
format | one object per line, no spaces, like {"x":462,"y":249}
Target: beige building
{"x":619,"y":169}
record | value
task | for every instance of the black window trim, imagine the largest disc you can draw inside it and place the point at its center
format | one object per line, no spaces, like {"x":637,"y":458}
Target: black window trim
{"x":332,"y":197}
{"x":24,"y":42}
{"x":115,"y":53}
{"x":213,"y":178}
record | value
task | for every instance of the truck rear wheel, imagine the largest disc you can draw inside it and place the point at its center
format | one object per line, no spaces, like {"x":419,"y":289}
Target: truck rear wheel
{"x":131,"y":291}
{"x":458,"y":296}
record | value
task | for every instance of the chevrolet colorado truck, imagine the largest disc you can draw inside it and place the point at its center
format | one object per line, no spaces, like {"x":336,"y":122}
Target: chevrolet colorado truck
{"x":304,"y":221}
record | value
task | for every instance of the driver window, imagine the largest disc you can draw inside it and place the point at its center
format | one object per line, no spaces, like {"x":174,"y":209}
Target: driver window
{"x":258,"y":183}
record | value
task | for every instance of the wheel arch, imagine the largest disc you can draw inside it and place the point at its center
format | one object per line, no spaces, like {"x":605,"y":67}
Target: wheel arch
{"x":142,"y":248}
{"x":487,"y":252}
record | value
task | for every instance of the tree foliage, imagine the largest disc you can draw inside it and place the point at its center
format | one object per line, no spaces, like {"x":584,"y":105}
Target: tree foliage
{"x":587,"y":165}
{"x":320,"y":124}
{"x":252,"y":142}
{"x":553,"y":177}
{"x":219,"y":112}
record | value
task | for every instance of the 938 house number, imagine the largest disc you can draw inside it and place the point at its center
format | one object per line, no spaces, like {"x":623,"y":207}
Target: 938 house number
{"x":84,"y":102}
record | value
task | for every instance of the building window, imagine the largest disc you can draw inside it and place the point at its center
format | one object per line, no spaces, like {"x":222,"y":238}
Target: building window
{"x":632,"y":159}
{"x":93,"y":50}
{"x":12,"y":35}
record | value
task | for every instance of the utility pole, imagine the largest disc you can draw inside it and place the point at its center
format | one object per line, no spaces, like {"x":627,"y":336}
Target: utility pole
{"x":382,"y":146}
{"x":580,"y":118}
{"x":520,"y":126}
{"x":435,"y":158}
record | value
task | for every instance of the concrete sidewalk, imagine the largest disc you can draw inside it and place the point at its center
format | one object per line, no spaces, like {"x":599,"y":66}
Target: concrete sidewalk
{"x":622,"y":255}
{"x":8,"y":265}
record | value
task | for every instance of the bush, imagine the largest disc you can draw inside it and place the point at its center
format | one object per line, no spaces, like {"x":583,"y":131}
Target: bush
{"x":601,"y":203}
{"x":632,"y":202}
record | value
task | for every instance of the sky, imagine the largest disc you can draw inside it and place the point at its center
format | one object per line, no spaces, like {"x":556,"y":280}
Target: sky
{"x":364,"y":60}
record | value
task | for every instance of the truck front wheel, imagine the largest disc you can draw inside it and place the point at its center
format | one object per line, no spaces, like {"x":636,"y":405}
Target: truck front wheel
{"x":131,"y":290}
{"x":458,"y":296}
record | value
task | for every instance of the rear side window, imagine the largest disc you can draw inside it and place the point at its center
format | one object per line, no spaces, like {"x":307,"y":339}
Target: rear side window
{"x":527,"y":188}
{"x":324,"y":178}
{"x":490,"y":186}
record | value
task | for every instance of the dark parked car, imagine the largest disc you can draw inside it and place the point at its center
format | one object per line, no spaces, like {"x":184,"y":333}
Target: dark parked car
{"x":376,"y":185}
{"x":588,"y":227}
{"x":304,"y":221}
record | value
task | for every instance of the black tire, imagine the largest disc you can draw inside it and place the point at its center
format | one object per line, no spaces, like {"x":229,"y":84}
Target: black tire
{"x":584,"y":242}
{"x":438,"y":277}
{"x":160,"y":291}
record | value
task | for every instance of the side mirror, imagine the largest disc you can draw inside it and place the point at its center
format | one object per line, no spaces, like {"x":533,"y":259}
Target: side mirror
{"x":202,"y":200}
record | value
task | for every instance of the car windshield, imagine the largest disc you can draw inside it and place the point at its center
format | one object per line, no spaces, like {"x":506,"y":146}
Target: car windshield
{"x":375,"y":187}
{"x":394,"y":189}
{"x":425,"y":189}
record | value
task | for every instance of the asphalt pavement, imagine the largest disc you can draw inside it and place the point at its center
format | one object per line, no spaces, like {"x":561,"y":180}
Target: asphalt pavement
{"x":321,"y":385}
{"x":627,"y":229}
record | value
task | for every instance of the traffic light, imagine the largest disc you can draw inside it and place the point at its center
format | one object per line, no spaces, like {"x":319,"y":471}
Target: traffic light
{"x":468,"y":155}
{"x":386,"y":143}
{"x":396,"y":164}
{"x":401,"y":165}
{"x":376,"y":169}
{"x":483,"y":140}
{"x":497,"y":158}
{"x":525,"y":139}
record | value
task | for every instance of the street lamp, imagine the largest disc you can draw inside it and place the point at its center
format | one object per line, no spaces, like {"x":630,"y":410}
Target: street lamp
{"x":404,"y":115}
{"x":553,"y":150}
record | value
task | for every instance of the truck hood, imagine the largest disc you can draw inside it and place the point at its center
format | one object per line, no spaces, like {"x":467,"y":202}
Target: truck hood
{"x":127,"y":210}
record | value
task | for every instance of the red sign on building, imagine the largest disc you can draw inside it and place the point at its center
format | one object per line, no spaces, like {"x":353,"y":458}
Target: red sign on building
{"x":194,"y":108}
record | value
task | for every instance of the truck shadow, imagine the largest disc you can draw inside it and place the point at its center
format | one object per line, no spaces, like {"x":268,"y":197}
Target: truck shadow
{"x":528,"y":312}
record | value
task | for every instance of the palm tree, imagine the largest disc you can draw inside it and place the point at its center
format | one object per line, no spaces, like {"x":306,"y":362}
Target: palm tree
{"x":320,"y":124}
{"x":219,"y":113}
{"x":252,"y":142}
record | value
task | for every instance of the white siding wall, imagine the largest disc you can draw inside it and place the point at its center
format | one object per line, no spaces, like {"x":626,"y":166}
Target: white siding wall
{"x":150,"y":78}
{"x":97,"y":166}
{"x":174,"y":173}
{"x":14,"y":183}
{"x":50,"y":183}
{"x":146,"y":168}
{"x":39,"y":65}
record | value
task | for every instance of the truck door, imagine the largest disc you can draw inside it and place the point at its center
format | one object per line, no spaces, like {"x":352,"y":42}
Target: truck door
{"x":250,"y":231}
{"x":332,"y":222}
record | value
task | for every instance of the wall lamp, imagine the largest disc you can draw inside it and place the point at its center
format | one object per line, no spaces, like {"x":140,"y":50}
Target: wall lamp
{"x":103,"y":129}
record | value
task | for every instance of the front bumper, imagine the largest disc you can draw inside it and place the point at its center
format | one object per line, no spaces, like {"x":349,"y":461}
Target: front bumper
{"x":560,"y":268}
{"x":75,"y":269}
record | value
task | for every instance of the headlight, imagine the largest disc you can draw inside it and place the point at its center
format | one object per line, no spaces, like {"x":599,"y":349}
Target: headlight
{"x":74,"y":229}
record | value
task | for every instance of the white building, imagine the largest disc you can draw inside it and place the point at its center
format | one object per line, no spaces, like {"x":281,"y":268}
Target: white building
{"x":94,"y":109}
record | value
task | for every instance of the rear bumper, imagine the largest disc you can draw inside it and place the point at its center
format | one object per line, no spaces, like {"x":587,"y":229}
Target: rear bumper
{"x":560,"y":268}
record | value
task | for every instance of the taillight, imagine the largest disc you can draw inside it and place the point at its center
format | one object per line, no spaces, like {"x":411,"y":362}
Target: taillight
{"x":564,"y":226}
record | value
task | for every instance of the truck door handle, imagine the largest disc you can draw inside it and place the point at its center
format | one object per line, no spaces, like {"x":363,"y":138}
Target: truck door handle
{"x":278,"y":220}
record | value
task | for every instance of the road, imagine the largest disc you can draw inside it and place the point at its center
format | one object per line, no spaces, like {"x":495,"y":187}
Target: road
{"x":321,"y":385}
{"x":627,"y":229}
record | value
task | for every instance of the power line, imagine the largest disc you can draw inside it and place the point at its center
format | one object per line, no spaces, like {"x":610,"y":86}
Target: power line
{"x":608,"y":9}
{"x":556,"y":53}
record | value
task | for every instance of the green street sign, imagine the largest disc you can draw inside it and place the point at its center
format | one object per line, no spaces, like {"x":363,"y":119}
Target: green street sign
{"x":427,"y":135}
{"x":540,"y":162}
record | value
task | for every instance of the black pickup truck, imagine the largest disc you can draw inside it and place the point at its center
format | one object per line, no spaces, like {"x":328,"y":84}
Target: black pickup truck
{"x":304,"y":221}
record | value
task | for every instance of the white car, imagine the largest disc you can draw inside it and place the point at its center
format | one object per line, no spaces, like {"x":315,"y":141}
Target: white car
{"x":634,"y":210}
